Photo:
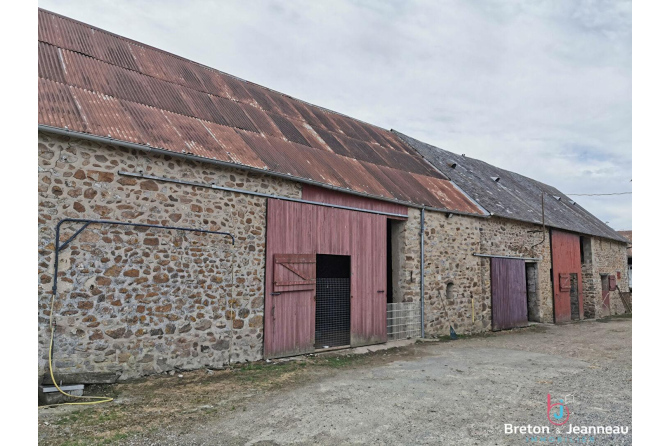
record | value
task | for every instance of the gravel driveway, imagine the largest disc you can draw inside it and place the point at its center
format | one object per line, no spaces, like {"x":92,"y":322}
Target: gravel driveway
{"x":461,"y":392}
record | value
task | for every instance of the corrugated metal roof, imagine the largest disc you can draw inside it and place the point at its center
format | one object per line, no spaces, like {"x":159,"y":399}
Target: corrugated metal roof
{"x":95,"y":82}
{"x":512,"y":196}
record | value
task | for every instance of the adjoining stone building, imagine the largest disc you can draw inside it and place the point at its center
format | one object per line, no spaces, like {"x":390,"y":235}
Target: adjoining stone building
{"x":586,"y":262}
{"x":204,"y":220}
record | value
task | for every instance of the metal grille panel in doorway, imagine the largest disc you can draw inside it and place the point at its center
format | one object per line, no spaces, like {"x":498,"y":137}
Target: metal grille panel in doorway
{"x":333,"y":313}
{"x":403,"y":320}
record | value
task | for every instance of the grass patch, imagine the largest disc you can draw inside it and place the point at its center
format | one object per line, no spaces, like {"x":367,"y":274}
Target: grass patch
{"x":149,"y":404}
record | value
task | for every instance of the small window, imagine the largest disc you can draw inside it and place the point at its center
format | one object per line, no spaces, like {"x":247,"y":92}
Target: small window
{"x":450,"y":290}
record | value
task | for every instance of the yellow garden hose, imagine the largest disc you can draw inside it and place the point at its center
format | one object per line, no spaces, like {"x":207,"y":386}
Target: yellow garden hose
{"x":100,"y":399}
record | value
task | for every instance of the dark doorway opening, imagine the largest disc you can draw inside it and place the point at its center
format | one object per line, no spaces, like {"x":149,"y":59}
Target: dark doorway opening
{"x":333,"y":301}
{"x":389,"y":261}
{"x":574,"y":297}
{"x":533,"y":300}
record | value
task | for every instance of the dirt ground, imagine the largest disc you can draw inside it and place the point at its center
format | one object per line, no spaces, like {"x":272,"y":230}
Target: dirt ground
{"x":457,"y":392}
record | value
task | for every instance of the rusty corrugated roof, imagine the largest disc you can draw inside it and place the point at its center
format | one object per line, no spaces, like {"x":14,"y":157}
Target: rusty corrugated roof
{"x":95,"y":82}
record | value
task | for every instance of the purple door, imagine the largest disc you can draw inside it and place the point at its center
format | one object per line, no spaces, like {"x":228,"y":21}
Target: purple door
{"x":509,"y":306}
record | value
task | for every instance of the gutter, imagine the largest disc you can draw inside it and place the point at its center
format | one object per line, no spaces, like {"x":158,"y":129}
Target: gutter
{"x":186,"y":156}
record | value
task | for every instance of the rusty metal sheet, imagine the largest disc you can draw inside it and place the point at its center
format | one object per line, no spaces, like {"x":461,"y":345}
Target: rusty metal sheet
{"x":194,"y":137}
{"x":392,"y":187}
{"x":270,"y":153}
{"x":411,"y":187}
{"x":284,"y":104}
{"x":447,"y":194}
{"x":239,"y":91}
{"x":113,"y":50}
{"x":56,"y":106}
{"x":289,"y":130}
{"x":307,"y":115}
{"x":150,"y":61}
{"x":311,"y":136}
{"x":261,"y":120}
{"x":104,"y":114}
{"x":179,"y":105}
{"x":262,"y":99}
{"x":169,"y":96}
{"x":356,"y":175}
{"x":318,"y":165}
{"x":65,"y":33}
{"x":85,"y":72}
{"x":325,"y":119}
{"x":156,"y":130}
{"x":49,"y":65}
{"x":234,"y":146}
{"x":346,"y":127}
{"x":233,"y":114}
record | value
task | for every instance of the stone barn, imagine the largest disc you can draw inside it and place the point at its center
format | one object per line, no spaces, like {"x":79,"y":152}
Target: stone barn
{"x":189,"y":218}
{"x":569,"y":264}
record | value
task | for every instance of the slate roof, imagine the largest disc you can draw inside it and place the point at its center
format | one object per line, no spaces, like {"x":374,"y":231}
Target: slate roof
{"x":513,"y":196}
{"x":97,"y":83}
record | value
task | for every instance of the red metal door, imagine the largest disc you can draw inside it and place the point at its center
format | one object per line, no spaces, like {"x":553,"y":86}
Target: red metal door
{"x":565,"y":260}
{"x":509,"y":304}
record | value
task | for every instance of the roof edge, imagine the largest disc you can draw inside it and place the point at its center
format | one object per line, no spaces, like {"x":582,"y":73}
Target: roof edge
{"x":161,"y":151}
{"x":402,"y":137}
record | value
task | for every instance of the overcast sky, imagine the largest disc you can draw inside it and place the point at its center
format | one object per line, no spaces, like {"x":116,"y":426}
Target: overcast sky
{"x":542,"y":88}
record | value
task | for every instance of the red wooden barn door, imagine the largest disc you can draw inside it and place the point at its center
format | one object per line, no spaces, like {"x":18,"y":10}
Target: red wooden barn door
{"x":290,"y":280}
{"x":565,"y":260}
{"x":368,"y":280}
{"x":509,"y":304}
{"x":296,"y":232}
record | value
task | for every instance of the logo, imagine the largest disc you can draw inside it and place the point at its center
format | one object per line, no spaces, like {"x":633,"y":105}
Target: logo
{"x":557,"y":413}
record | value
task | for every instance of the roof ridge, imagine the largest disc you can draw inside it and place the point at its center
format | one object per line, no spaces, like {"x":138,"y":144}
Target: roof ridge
{"x":138,"y":43}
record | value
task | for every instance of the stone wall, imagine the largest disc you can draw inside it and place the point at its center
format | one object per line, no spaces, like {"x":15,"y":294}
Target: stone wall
{"x":607,"y":257}
{"x":449,"y":244}
{"x":136,"y":301}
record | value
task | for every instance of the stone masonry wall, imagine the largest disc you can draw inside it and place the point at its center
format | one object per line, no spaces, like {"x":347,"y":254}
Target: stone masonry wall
{"x":608,"y":258}
{"x":449,"y":244}
{"x":506,"y":237}
{"x":140,"y":301}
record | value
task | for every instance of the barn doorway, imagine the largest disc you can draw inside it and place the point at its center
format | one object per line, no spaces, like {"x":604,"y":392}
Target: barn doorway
{"x":532,"y":293}
{"x":574,"y":297}
{"x":605,"y":283}
{"x":509,"y":304}
{"x":333,"y":301}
